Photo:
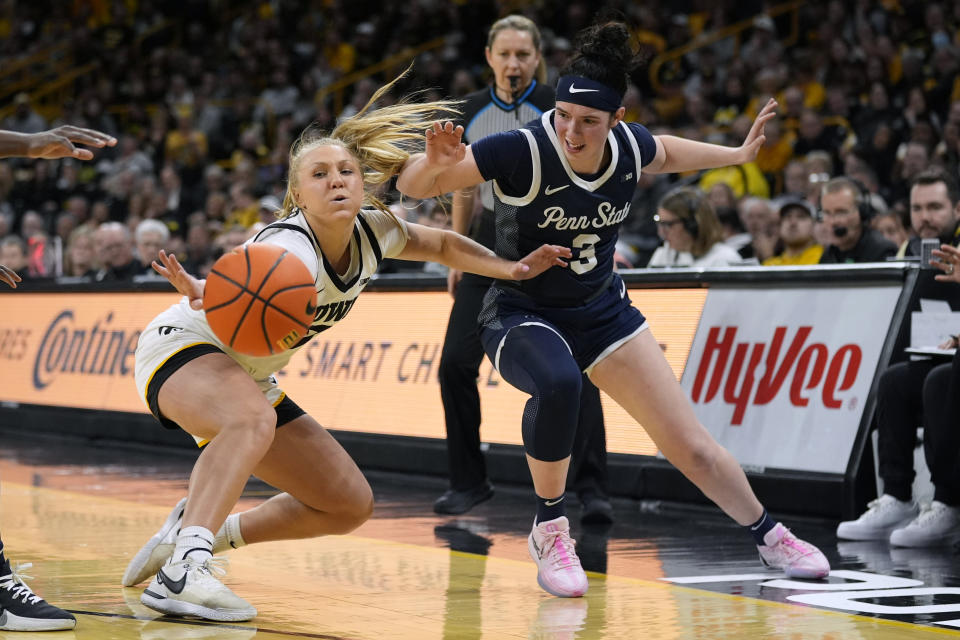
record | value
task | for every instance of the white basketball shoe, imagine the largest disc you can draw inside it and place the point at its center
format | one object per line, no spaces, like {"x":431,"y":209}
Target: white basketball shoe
{"x":190,"y":588}
{"x":147,"y":562}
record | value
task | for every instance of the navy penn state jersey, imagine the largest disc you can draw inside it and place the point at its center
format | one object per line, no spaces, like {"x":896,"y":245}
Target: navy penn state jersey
{"x":540,"y":199}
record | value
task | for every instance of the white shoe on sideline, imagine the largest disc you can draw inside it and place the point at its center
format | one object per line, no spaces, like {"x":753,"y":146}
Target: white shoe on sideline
{"x":882,"y":516}
{"x":937,"y":525}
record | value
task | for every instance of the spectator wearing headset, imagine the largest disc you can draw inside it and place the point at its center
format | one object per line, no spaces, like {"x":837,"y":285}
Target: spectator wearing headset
{"x":691,"y":233}
{"x":846,"y":214}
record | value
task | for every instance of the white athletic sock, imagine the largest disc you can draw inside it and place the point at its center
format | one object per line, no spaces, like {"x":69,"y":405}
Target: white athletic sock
{"x":229,"y":536}
{"x":196,"y":542}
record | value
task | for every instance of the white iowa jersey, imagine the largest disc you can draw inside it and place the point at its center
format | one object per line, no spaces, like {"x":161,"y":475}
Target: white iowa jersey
{"x":376,"y":235}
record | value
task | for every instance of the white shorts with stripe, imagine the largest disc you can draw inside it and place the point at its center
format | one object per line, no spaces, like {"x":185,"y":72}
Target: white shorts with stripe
{"x":174,"y":331}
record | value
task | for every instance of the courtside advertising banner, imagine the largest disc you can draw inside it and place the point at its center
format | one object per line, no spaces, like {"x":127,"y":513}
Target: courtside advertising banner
{"x":780,"y":376}
{"x":374,"y":372}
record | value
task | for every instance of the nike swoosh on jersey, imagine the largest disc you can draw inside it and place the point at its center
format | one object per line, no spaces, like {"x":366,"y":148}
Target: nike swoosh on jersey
{"x":550,"y":191}
{"x":573,"y":89}
{"x":177,"y":586}
{"x":623,"y":289}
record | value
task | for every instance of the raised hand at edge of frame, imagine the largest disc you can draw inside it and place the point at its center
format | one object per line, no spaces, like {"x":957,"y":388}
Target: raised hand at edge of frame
{"x":948,"y":261}
{"x":444,"y":146}
{"x":170,"y":268}
{"x":59,"y":143}
{"x":539,"y":260}
{"x":756,"y":136}
{"x":9,"y":276}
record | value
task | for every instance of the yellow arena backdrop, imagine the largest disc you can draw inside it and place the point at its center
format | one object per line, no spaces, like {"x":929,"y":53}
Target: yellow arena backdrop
{"x":376,"y":372}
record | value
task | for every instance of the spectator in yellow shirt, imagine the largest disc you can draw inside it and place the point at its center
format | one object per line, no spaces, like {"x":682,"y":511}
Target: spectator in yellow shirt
{"x":797,"y":219}
{"x":186,"y":146}
{"x":244,"y":207}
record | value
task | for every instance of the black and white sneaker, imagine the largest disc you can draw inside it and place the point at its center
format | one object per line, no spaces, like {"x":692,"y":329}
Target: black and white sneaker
{"x":22,"y":610}
{"x":190,"y":588}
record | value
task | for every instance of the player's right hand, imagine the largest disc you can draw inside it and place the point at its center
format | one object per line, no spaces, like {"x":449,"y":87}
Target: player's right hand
{"x":539,"y":260}
{"x":9,"y":276}
{"x":444,"y":147}
{"x":59,"y":142}
{"x":170,"y":268}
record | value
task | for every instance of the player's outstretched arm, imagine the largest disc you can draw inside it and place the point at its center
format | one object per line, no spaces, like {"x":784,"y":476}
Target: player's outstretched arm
{"x":677,"y":155}
{"x":460,"y":252}
{"x":9,"y":276}
{"x":55,"y":143}
{"x":170,"y":268}
{"x":446,"y":165}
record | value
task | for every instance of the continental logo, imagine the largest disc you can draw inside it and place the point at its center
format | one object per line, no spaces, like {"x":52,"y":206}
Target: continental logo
{"x":70,"y":348}
{"x":802,"y":369}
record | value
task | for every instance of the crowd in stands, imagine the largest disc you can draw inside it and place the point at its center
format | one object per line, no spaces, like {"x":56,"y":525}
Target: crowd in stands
{"x":205,"y":98}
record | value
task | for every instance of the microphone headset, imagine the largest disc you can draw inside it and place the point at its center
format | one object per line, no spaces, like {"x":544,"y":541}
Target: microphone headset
{"x":861,"y":199}
{"x":684,"y":198}
{"x":692,"y":201}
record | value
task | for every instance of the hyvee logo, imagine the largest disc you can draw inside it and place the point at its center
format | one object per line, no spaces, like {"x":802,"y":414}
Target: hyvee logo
{"x":801,"y":367}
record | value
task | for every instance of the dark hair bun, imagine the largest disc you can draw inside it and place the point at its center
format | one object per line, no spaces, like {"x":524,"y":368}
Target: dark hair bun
{"x":609,"y":42}
{"x":603,"y":53}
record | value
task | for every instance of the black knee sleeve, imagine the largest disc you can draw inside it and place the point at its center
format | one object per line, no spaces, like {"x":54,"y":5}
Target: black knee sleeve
{"x":536,"y":360}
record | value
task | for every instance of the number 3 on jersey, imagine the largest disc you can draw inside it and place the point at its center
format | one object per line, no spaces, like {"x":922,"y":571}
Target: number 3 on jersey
{"x":587,"y":260}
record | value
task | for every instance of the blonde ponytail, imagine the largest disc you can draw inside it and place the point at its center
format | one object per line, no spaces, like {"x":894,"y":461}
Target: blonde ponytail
{"x":380,"y":139}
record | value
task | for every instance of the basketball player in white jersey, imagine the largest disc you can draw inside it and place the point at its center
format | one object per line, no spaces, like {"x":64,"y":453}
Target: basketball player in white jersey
{"x":231,"y":403}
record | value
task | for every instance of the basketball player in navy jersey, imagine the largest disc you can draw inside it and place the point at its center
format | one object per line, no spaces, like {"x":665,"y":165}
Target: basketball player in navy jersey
{"x":516,"y":97}
{"x":20,"y":608}
{"x":569,"y":180}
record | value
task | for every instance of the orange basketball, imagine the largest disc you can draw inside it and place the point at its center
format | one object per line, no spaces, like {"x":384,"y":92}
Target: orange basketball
{"x":259,"y":299}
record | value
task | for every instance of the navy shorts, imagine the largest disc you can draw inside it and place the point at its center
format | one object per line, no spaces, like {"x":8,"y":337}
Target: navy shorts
{"x":592,"y":330}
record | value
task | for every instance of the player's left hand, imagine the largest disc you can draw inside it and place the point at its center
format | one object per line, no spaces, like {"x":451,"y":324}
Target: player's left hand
{"x":444,"y":147}
{"x":59,"y":143}
{"x":9,"y":276}
{"x":948,"y":261}
{"x":755,"y":138}
{"x":170,"y":268}
{"x":538,"y":261}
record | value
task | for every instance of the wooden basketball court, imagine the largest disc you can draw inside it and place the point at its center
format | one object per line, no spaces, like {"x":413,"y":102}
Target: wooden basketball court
{"x":79,"y":513}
